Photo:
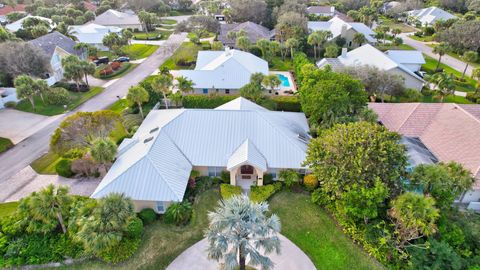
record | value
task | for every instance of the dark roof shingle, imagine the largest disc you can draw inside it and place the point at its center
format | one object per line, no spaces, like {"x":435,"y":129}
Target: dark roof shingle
{"x":49,"y":42}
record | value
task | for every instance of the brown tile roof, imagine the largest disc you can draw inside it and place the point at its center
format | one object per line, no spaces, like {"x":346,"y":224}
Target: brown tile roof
{"x":89,"y":6}
{"x":320,"y":9}
{"x":9,"y":9}
{"x":450,"y":131}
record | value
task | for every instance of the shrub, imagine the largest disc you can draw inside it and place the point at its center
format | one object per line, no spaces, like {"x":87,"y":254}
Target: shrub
{"x":255,"y":50}
{"x":205,"y":102}
{"x":106,"y":71}
{"x":85,"y":166}
{"x":287,"y":103}
{"x":261,"y":193}
{"x":115,"y":65}
{"x":310,"y":182}
{"x":74,"y":153}
{"x":225,"y":176}
{"x":121,"y":252}
{"x":64,"y":168}
{"x":134,"y":227}
{"x":228,"y":191}
{"x":11,"y":104}
{"x":474,"y":97}
{"x":178,"y":213}
{"x":57,"y":96}
{"x":411,"y":95}
{"x":71,"y":86}
{"x":147,"y":215}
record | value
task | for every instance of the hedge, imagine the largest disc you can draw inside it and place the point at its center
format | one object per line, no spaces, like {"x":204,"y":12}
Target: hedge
{"x":147,"y":215}
{"x":287,"y":103}
{"x":64,"y":168}
{"x":205,"y":101}
{"x":228,"y":191}
{"x":262,"y":193}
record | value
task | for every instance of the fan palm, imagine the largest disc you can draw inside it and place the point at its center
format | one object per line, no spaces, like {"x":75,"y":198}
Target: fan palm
{"x":239,"y":228}
{"x":469,"y":57}
{"x":184,"y":85}
{"x":162,"y":85}
{"x":138,"y":95}
{"x":441,"y":49}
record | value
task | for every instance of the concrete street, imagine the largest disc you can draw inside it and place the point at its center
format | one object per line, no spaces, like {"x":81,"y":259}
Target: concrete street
{"x":20,"y":156}
{"x":446,"y":59}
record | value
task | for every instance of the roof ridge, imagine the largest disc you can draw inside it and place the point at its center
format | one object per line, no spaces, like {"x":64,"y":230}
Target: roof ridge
{"x":161,"y":176}
{"x":408,"y":117}
{"x":466,"y":112}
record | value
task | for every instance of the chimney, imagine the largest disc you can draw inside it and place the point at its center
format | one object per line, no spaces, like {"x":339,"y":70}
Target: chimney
{"x":344,"y":52}
{"x":227,"y":50}
{"x":332,"y":9}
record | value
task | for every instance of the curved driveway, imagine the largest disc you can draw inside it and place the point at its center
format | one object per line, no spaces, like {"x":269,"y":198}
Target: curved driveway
{"x":195,"y":258}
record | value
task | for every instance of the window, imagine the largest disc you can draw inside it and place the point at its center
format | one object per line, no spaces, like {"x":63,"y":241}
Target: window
{"x":246,"y":169}
{"x":350,"y":44}
{"x":214,"y":171}
{"x":205,"y":90}
{"x":273,"y":172}
{"x":160,"y":207}
{"x":227,"y":91}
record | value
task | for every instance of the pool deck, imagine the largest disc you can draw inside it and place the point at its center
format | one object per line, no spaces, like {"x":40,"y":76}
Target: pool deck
{"x":282,"y":89}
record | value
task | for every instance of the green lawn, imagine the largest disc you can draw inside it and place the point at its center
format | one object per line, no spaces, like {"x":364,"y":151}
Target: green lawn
{"x":447,"y":99}
{"x":393,"y":24}
{"x":8,"y":208}
{"x":126,"y":68}
{"x":168,"y":21}
{"x":431,"y":64}
{"x":5,"y":144}
{"x":76,"y":99}
{"x":46,"y":163}
{"x":187,"y":51}
{"x":278,"y":64}
{"x":386,"y":47}
{"x":134,"y":51}
{"x":119,"y":105}
{"x":422,"y":39}
{"x":315,"y":232}
{"x":162,"y":243}
{"x":154,"y":35}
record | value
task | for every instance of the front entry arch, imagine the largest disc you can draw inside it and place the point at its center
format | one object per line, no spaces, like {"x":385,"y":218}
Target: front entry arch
{"x":247,"y":169}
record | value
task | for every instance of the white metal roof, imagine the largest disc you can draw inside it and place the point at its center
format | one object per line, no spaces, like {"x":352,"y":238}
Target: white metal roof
{"x":431,"y":14}
{"x":113,"y":17}
{"x":241,"y":104}
{"x":155,"y":163}
{"x":229,"y":69}
{"x":336,"y":25}
{"x":406,"y":56}
{"x":92,"y":33}
{"x":17,"y":25}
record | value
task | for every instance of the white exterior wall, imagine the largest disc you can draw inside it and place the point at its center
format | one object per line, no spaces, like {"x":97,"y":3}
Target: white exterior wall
{"x":8,"y":94}
{"x":413,"y":67}
{"x":140,"y":205}
{"x":128,"y":26}
{"x":216,"y":90}
{"x":471,"y":196}
{"x":410,"y":81}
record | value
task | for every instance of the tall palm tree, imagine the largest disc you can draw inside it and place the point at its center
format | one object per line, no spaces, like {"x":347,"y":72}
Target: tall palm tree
{"x":138,"y":95}
{"x":50,"y":204}
{"x":271,"y":81}
{"x":87,"y":69}
{"x":263,"y":44}
{"x":239,"y":228}
{"x":441,"y":49}
{"x":292,"y":43}
{"x":184,"y":85}
{"x":359,"y":39}
{"x":243,"y":43}
{"x":442,"y":83}
{"x":103,"y":151}
{"x":162,"y":85}
{"x":469,"y":57}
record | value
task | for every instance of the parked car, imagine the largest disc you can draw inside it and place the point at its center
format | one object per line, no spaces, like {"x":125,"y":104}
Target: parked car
{"x":101,"y":60}
{"x":122,"y":59}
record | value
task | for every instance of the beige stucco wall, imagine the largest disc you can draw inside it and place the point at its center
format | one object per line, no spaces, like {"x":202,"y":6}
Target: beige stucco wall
{"x":139,"y":205}
{"x":203,"y":170}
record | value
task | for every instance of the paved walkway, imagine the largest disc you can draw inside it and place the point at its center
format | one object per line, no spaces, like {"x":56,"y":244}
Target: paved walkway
{"x":20,"y":156}
{"x":446,"y":59}
{"x":195,"y":258}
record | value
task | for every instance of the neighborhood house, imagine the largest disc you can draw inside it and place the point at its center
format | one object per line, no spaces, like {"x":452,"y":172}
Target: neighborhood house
{"x":428,"y":16}
{"x":253,"y":31}
{"x":369,"y":55}
{"x":119,"y":19}
{"x":17,"y":25}
{"x":239,"y":137}
{"x":93,"y":34}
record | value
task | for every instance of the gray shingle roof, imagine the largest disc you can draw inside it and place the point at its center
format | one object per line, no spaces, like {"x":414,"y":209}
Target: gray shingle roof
{"x":49,"y":42}
{"x":254,"y":32}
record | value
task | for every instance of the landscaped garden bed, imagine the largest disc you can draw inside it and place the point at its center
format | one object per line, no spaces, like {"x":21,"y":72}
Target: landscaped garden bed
{"x":5,"y":144}
{"x":113,"y":70}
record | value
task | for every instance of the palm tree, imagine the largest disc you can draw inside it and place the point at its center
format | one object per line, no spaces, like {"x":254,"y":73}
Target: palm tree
{"x":274,"y":47}
{"x":138,"y":95}
{"x":105,"y":227}
{"x":315,"y":39}
{"x":359,"y":39}
{"x":128,"y":35}
{"x":263,"y":44}
{"x":103,"y":151}
{"x":239,"y":228}
{"x":50,"y":204}
{"x":442,"y":83}
{"x":468,"y":57}
{"x":292,"y":43}
{"x":162,"y":85}
{"x":441,"y":49}
{"x":87,"y":69}
{"x":176,"y":98}
{"x":184,"y":85}
{"x":271,"y":81}
{"x":243,"y":43}
{"x":396,"y":31}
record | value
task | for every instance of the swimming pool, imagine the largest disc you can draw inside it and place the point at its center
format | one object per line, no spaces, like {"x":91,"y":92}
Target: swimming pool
{"x":284,"y":80}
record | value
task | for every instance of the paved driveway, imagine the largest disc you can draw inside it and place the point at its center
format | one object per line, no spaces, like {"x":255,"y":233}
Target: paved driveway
{"x":17,"y":125}
{"x":20,"y":156}
{"x":446,"y":59}
{"x":195,"y":258}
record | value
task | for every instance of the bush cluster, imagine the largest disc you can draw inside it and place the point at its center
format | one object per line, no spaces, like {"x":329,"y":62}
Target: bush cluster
{"x":71,"y":86}
{"x":205,"y":102}
{"x":178,"y":213}
{"x":64,"y":167}
{"x":287,"y":103}
{"x":228,"y":191}
{"x":474,"y":97}
{"x":57,"y":96}
{"x":310,"y":182}
{"x":147,"y":215}
{"x":263,"y":193}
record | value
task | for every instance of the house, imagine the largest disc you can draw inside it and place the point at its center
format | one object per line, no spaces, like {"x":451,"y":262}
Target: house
{"x":56,"y":46}
{"x":17,"y":25}
{"x":7,"y":94}
{"x":7,"y":9}
{"x":346,"y":30}
{"x":413,"y":60}
{"x":93,"y":34}
{"x":119,"y":19}
{"x":391,"y":6}
{"x":428,"y":16}
{"x":89,"y":6}
{"x":254,"y":32}
{"x":449,"y":131}
{"x":239,"y":137}
{"x":369,"y":55}
{"x":223,"y":71}
{"x":327,"y":11}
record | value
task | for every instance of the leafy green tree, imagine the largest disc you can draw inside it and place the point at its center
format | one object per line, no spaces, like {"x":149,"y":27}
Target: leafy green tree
{"x":91,"y":50}
{"x":73,"y":69}
{"x":25,"y":88}
{"x":437,"y":255}
{"x":44,"y":211}
{"x":113,"y":41}
{"x":289,"y":177}
{"x":443,"y":181}
{"x":38,"y":31}
{"x":178,"y":213}
{"x":41,"y":87}
{"x":331,"y":51}
{"x":239,"y":228}
{"x":328,"y":97}
{"x":271,"y":81}
{"x":440,"y":49}
{"x":217,"y":46}
{"x":138,"y":95}
{"x":254,"y":89}
{"x":263,"y":44}
{"x":359,"y":39}
{"x":147,"y":19}
{"x":415,"y":216}
{"x":184,"y":85}
{"x":127,"y":34}
{"x":243,"y":43}
{"x":103,"y":150}
{"x":317,"y":39}
{"x":5,"y":35}
{"x":162,"y":84}
{"x":106,"y":226}
{"x":356,"y":155}
{"x":469,"y":57}
{"x":292,"y":44}
{"x":396,"y":31}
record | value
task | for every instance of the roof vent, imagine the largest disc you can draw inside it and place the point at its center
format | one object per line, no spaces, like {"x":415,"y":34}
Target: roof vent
{"x":148,"y":139}
{"x":154,"y":130}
